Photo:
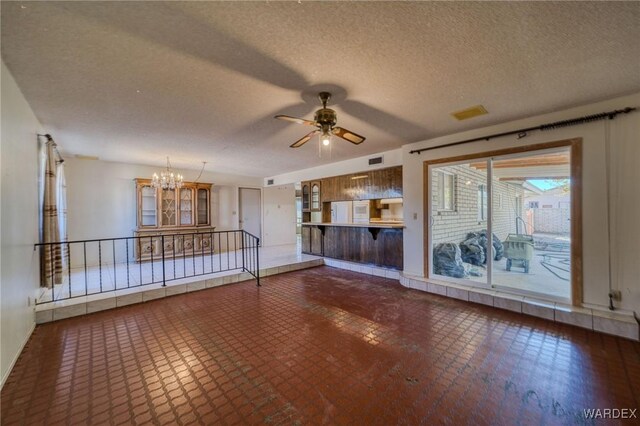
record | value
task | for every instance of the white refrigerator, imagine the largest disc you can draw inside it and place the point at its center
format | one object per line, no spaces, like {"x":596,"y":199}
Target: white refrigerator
{"x":341,"y":212}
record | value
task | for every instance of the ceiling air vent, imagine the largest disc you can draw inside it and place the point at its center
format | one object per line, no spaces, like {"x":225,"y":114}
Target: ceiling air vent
{"x":470,"y":112}
{"x":269,"y":181}
{"x":376,"y":160}
{"x":86,"y":157}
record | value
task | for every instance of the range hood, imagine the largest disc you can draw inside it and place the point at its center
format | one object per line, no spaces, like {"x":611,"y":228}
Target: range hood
{"x":391,"y":201}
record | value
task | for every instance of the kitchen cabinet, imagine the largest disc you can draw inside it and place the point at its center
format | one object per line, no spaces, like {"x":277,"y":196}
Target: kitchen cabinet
{"x":381,"y":183}
{"x":306,"y":196}
{"x":306,"y":239}
{"x":316,"y":204}
{"x":312,"y":239}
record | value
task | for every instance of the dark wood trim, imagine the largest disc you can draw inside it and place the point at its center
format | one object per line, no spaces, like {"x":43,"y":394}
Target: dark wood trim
{"x":575,"y":145}
{"x":426,"y":218}
{"x":576,"y":222}
{"x":506,"y":151}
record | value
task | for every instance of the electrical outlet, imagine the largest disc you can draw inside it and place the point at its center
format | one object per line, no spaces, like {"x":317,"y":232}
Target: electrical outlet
{"x":28,"y":301}
{"x":415,"y":216}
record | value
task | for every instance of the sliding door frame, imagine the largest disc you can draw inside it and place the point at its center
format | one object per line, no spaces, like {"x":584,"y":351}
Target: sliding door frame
{"x":575,"y":146}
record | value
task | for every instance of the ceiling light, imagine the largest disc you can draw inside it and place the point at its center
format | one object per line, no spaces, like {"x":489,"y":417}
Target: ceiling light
{"x":325,"y":138}
{"x":167,"y":178}
{"x":359,"y":177}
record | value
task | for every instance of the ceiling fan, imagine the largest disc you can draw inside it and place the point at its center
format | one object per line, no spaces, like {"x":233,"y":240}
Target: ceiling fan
{"x":325,"y":122}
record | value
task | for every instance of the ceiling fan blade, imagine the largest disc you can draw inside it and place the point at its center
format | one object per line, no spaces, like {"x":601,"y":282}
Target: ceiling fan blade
{"x":348,"y":135}
{"x":295,"y":120}
{"x":304,"y":139}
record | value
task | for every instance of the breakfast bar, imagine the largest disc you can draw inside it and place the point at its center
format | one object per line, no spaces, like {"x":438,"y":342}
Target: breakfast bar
{"x":374,"y":244}
{"x":356,"y":218}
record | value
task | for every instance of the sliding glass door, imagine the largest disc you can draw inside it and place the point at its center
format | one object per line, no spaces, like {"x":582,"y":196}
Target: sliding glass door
{"x":532,"y":221}
{"x":503,"y":222}
{"x":459,"y":216}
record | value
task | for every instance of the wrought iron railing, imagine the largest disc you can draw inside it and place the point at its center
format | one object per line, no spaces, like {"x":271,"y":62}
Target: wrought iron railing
{"x":84,"y":267}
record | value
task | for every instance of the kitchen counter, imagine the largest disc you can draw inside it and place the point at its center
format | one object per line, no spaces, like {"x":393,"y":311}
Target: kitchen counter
{"x":383,"y":225}
{"x":372,"y":243}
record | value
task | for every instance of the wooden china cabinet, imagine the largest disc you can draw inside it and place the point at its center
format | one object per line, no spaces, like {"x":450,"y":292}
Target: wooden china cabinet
{"x":184,"y":210}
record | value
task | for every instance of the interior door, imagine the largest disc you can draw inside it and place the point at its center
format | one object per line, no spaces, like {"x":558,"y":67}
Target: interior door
{"x":250,"y":211}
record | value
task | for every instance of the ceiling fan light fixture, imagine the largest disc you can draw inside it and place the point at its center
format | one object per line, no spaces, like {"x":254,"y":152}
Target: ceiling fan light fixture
{"x":325,"y":138}
{"x":324,"y":121}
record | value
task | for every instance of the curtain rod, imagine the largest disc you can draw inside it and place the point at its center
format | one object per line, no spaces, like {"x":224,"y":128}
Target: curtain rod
{"x":55,"y":146}
{"x":549,"y":126}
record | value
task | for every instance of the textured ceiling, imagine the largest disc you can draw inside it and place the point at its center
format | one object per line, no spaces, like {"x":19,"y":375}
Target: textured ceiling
{"x":201,"y":81}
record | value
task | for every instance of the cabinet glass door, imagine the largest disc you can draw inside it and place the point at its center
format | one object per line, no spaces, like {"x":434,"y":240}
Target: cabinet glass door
{"x":186,"y":206}
{"x":149,"y":210}
{"x":315,"y":197}
{"x":168,"y":207}
{"x":203,"y":207}
{"x":305,"y":197}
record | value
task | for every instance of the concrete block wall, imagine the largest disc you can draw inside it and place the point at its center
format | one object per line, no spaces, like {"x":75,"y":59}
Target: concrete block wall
{"x":552,"y":221}
{"x":453,"y":226}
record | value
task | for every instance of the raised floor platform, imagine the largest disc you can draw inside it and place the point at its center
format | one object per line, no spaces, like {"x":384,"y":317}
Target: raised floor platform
{"x":110,"y":291}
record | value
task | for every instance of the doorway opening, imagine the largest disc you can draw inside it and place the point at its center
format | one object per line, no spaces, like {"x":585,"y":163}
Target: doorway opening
{"x":250,"y":208}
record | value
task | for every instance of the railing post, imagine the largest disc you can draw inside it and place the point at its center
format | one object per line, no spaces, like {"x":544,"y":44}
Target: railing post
{"x":257,"y":262}
{"x":164,"y":281}
{"x":243,"y":236}
{"x":53,"y":273}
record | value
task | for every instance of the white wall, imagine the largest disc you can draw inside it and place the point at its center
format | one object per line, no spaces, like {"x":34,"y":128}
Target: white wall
{"x":19,"y":221}
{"x":279,"y":215}
{"x":354,"y":165}
{"x":101,"y":197}
{"x":625,"y":204}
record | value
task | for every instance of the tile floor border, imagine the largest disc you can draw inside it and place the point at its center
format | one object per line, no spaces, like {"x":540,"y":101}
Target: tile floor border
{"x":363,"y":268}
{"x":622,"y":324}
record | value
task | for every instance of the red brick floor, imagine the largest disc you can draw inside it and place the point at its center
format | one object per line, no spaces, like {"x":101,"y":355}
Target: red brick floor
{"x":312,"y":347}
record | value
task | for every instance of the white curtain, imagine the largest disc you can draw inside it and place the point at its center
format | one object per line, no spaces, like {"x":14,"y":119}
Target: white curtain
{"x":53,"y":215}
{"x":61,"y":193}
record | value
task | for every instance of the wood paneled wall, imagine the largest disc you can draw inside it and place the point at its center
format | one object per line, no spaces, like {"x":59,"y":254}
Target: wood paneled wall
{"x":355,"y":244}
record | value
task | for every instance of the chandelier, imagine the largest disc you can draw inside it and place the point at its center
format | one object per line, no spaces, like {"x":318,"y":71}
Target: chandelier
{"x":167,"y":178}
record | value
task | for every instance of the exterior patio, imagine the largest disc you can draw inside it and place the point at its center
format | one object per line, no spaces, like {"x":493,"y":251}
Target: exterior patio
{"x":549,"y":273}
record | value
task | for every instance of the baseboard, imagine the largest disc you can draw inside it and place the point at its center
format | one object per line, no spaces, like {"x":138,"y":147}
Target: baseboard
{"x":15,"y":359}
